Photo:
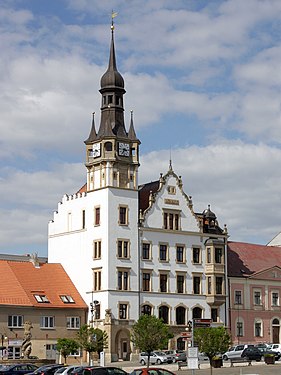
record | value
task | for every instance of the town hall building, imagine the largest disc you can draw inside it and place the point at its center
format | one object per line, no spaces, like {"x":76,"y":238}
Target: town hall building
{"x":135,"y":249}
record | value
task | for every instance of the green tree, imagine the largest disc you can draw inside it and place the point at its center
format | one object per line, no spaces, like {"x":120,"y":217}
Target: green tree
{"x":92,"y":339}
{"x":150,"y":333}
{"x":212,"y":341}
{"x":66,"y":347}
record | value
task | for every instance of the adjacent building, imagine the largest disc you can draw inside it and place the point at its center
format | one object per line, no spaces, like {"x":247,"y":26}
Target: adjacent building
{"x":41,"y":295}
{"x":133,"y":249}
{"x":254,"y":277}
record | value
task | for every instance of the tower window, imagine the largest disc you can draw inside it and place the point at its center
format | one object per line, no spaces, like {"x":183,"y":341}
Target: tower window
{"x":97,"y":249}
{"x":110,"y":99}
{"x":97,"y":216}
{"x":83,"y":219}
{"x":123,"y":311}
{"x":108,"y":146}
{"x":123,"y":215}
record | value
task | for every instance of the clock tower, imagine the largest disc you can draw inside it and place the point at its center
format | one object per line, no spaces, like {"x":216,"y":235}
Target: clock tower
{"x":112,"y":153}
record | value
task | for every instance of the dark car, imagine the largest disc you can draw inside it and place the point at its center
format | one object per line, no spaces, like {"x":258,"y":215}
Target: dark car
{"x":252,"y":353}
{"x":264,"y":350}
{"x":151,"y":371}
{"x":17,"y":369}
{"x":106,"y":370}
{"x":46,"y":370}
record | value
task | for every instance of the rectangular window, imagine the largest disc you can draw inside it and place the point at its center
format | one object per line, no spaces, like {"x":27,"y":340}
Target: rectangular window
{"x":41,"y":298}
{"x":218,"y":255}
{"x":146,"y":281}
{"x":163,"y":282}
{"x":257,"y":298}
{"x":123,"y":249}
{"x":123,"y":280}
{"x":209,"y":255}
{"x":258,"y":329}
{"x":123,"y":311}
{"x":209,"y":284}
{"x":146,"y":250}
{"x":83,"y":219}
{"x":97,"y":249}
{"x":97,"y":280}
{"x":196,"y":258}
{"x":180,"y":254}
{"x":15,"y":321}
{"x":180,"y":283}
{"x":219,"y":283}
{"x":214,"y":315}
{"x":163,"y":252}
{"x":171,"y":221}
{"x":73,"y":322}
{"x":196,"y":284}
{"x":238,"y":297}
{"x":123,"y":213}
{"x":66,"y":299}
{"x":275,"y":299}
{"x":47,"y":322}
{"x":97,"y":215}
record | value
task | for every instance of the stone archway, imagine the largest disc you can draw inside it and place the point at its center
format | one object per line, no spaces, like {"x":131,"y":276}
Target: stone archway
{"x":122,"y":344}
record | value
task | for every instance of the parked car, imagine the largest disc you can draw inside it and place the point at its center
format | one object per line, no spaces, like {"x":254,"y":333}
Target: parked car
{"x":17,"y":369}
{"x":275,"y":347}
{"x":105,"y":370}
{"x":66,"y":370}
{"x":151,"y":371}
{"x":47,"y":369}
{"x":156,"y":357}
{"x":265,"y":349}
{"x":176,"y":355}
{"x":252,"y":353}
{"x":235,"y":351}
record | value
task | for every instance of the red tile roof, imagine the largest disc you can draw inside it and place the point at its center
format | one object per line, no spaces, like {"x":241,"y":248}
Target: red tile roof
{"x":244,"y":259}
{"x":20,"y":281}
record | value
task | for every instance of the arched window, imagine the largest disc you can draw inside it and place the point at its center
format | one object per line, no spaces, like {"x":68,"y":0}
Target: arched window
{"x":180,"y":315}
{"x":164,"y":314}
{"x":146,"y":310}
{"x":197,"y":313}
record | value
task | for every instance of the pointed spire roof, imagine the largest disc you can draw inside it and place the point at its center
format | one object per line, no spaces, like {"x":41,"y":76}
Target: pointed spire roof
{"x":93,"y":135}
{"x":112,"y":77}
{"x":132,"y":134}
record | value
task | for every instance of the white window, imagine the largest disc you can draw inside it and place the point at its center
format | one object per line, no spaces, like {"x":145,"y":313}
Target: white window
{"x":67,"y":299}
{"x":41,"y":298}
{"x":275,"y":299}
{"x":73,"y":322}
{"x":257,"y":297}
{"x":239,"y":328}
{"x":15,"y":321}
{"x":123,"y":311}
{"x":97,"y":280}
{"x":258,"y":328}
{"x":97,"y":249}
{"x":47,"y":322}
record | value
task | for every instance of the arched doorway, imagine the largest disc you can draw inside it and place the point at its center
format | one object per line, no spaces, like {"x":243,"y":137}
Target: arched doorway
{"x":122,"y":344}
{"x":275,"y":331}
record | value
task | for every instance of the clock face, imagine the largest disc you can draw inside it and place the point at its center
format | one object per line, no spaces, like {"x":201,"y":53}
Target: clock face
{"x":124,"y":149}
{"x":96,"y":150}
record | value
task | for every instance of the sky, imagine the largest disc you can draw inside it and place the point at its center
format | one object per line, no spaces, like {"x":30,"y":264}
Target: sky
{"x":203,"y":79}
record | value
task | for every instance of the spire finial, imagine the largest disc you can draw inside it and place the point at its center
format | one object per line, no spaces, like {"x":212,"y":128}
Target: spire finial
{"x":170,"y":164}
{"x":113,"y":15}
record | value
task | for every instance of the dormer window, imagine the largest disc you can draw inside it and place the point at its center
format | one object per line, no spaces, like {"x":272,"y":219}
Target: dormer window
{"x":67,"y":299}
{"x":41,"y":298}
{"x":171,"y":220}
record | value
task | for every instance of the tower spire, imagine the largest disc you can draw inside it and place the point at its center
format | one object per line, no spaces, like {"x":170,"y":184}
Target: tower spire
{"x":93,"y":135}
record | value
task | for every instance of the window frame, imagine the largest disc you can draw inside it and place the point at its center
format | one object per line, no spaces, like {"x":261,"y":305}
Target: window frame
{"x":97,"y":273}
{"x":15,"y":320}
{"x":97,"y":217}
{"x":123,"y":248}
{"x":123,"y":217}
{"x":180,"y":253}
{"x":123,"y":279}
{"x":196,"y":276}
{"x":49,"y":319}
{"x":73,"y":322}
{"x":194,"y":248}
{"x":148,"y":250}
{"x":163,"y":248}
{"x":163,"y":282}
{"x":146,"y":281}
{"x":123,"y":310}
{"x":277,"y":304}
{"x":182,"y":284}
{"x":97,"y":249}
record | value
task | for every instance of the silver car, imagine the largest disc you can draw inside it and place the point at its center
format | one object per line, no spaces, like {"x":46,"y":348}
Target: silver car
{"x":156,"y":357}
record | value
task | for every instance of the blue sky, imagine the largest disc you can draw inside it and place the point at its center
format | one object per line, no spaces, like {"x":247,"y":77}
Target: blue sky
{"x":202,"y":77}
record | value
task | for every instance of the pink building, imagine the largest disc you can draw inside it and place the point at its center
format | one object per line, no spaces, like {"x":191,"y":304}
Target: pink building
{"x":254,"y":282}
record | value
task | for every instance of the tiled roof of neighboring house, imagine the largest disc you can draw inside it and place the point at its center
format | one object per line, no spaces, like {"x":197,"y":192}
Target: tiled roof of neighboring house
{"x":244,"y":259}
{"x":144,"y":192}
{"x":83,"y":189}
{"x":21,"y":281}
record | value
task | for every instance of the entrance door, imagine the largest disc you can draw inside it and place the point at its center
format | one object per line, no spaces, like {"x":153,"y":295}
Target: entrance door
{"x":51,"y":351}
{"x":124,"y":350}
{"x":275,"y":331}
